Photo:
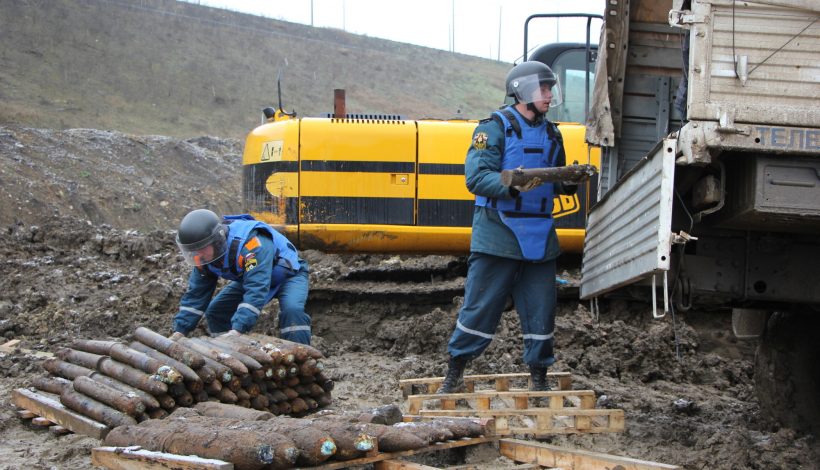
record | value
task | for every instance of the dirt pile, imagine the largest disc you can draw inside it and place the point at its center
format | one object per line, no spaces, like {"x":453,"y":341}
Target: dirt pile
{"x":72,"y":272}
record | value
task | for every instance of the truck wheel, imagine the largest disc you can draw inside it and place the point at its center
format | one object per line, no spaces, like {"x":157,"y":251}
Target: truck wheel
{"x":787,"y":370}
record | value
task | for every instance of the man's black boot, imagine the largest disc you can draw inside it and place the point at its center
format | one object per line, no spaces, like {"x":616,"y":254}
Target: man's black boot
{"x":454,"y":380}
{"x":538,"y":376}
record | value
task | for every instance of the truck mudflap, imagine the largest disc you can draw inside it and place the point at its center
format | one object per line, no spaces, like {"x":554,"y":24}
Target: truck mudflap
{"x":629,"y":231}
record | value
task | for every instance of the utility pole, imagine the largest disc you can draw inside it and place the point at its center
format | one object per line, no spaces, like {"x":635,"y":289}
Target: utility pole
{"x":498,"y":58}
{"x":453,"y":29}
{"x":311,"y":13}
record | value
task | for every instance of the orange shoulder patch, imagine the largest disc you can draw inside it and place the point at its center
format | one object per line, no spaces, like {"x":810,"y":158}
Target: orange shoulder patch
{"x":252,"y":243}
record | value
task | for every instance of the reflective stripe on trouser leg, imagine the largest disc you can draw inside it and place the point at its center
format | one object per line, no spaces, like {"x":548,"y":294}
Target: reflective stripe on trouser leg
{"x":222,"y":307}
{"x":294,"y":322}
{"x":489,"y":282}
{"x":535,"y":297}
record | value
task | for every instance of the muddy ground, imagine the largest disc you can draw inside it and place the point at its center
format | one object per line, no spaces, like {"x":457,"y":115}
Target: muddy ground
{"x":86,"y":251}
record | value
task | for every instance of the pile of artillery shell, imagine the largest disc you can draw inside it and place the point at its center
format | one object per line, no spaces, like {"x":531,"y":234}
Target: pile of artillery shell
{"x":118,"y":384}
{"x":253,"y":439}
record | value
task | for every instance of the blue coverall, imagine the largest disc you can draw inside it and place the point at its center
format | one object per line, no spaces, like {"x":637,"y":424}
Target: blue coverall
{"x":497,"y":267}
{"x":237,"y":305}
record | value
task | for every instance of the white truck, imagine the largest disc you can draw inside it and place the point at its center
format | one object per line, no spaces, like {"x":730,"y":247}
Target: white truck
{"x":715,"y":202}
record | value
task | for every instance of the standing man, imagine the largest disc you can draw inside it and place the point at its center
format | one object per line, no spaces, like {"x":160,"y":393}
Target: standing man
{"x":260,"y":264}
{"x":514,"y":244}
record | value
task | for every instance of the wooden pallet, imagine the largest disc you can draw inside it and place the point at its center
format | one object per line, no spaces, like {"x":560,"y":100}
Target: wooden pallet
{"x":566,"y":411}
{"x":48,"y":407}
{"x":500,"y":382}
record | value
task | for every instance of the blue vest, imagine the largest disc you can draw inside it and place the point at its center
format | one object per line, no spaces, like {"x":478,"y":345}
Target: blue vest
{"x":529,"y":215}
{"x":286,"y":258}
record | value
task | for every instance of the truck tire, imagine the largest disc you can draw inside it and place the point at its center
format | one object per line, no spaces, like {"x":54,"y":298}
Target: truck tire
{"x":787,"y":370}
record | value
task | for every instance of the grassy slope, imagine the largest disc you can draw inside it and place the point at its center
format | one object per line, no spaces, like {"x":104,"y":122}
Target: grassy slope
{"x":176,"y":69}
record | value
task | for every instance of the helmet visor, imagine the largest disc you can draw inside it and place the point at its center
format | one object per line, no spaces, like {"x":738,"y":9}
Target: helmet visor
{"x":206,"y":251}
{"x":533,"y":88}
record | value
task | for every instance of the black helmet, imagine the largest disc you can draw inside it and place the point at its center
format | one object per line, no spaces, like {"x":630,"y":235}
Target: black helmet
{"x":525,"y":78}
{"x":199,"y":230}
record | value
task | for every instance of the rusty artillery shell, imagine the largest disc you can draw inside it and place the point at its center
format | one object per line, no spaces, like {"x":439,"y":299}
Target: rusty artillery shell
{"x":234,"y":384}
{"x":311,"y":403}
{"x":176,"y":390}
{"x":168,"y":347}
{"x":252,"y":351}
{"x":166,"y":401}
{"x":283,"y":408}
{"x":350,"y":441}
{"x":213,"y":388}
{"x":208,"y":351}
{"x":291,"y":382}
{"x":290,"y":393}
{"x":241,"y":394}
{"x":244,"y":403}
{"x":194,"y":387}
{"x":463,"y":427}
{"x":252,"y":389}
{"x":93,"y":409}
{"x":223,"y":372}
{"x":324,"y":400}
{"x":148,"y":399}
{"x":187,"y":373}
{"x":202,"y":396}
{"x":284,"y":344}
{"x":206,"y":374}
{"x":315,"y":446}
{"x":53,"y":385}
{"x":249,"y":362}
{"x":311,"y":367}
{"x":314,"y":390}
{"x":222,"y":410}
{"x":157,"y":413}
{"x":390,"y":439}
{"x":246,"y":448}
{"x":428,"y":430}
{"x":131,"y":376}
{"x":280,"y":372}
{"x":127,"y":403}
{"x":262,"y":374}
{"x":184,"y":399}
{"x":298,"y":406}
{"x":227,"y":396}
{"x":80,"y":358}
{"x":260,"y":402}
{"x":93,"y":346}
{"x":278,"y":395}
{"x":65,"y":369}
{"x":141,"y":361}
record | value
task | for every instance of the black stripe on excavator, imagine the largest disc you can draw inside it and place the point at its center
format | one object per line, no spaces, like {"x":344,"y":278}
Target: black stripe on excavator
{"x":357,"y":210}
{"x":441,"y":169}
{"x":255,"y":195}
{"x":358,"y":166}
{"x":446,"y":213}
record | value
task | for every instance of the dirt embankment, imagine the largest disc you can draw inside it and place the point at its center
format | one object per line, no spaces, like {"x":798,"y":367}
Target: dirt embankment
{"x":71,"y":272}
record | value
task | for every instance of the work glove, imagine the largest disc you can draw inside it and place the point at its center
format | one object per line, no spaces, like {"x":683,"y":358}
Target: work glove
{"x":529,"y":185}
{"x":176,"y":335}
{"x":229,"y":334}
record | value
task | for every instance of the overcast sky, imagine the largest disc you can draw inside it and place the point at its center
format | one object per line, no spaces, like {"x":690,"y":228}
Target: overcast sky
{"x":468,"y":26}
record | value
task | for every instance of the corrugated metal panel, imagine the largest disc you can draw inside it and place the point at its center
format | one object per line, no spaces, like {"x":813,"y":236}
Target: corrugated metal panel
{"x":782,"y":46}
{"x":628,"y":231}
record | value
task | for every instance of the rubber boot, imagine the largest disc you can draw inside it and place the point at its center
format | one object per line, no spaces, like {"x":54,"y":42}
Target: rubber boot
{"x":454,"y":380}
{"x":538,"y":376}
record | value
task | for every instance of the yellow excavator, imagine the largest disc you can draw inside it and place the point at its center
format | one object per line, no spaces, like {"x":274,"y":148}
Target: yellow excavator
{"x":380,"y":183}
